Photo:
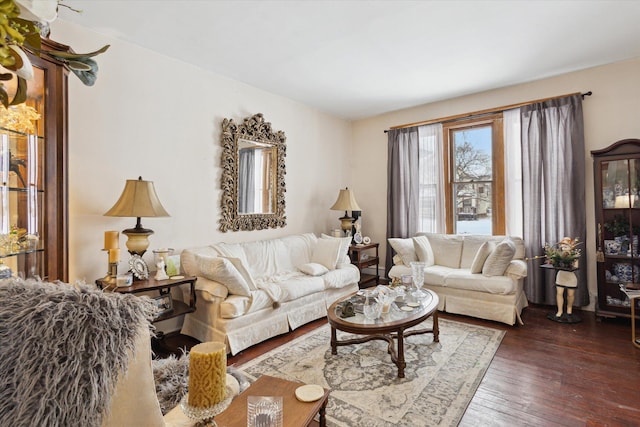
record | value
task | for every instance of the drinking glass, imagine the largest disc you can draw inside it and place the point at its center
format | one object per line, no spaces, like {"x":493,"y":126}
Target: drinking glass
{"x":417,"y":272}
{"x":371,"y":309}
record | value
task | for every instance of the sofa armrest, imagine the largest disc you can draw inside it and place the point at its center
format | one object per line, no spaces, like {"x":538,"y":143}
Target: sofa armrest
{"x":517,"y":269}
{"x":211,"y":288}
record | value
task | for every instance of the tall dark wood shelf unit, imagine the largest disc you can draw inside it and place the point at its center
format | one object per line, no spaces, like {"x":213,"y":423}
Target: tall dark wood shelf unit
{"x":36,"y":201}
{"x":362,"y":257}
{"x":617,"y":213}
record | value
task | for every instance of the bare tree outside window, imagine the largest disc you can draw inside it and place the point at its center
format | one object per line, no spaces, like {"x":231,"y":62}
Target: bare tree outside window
{"x":472,"y":180}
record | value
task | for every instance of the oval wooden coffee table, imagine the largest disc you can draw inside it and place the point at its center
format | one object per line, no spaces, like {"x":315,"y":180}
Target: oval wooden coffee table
{"x":388,"y":327}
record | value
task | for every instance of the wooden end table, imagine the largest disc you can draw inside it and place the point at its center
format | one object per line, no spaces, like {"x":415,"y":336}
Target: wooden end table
{"x":294,"y":412}
{"x":361,"y":258}
{"x":163,"y":287}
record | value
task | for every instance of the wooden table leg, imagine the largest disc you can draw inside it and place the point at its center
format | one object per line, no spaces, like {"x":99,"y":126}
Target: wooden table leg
{"x":436,"y":328}
{"x":634,"y":340}
{"x":322,"y":413}
{"x":401,"y":363}
{"x":334,"y":341}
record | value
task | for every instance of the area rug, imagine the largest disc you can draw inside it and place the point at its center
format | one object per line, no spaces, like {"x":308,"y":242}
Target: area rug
{"x":441,"y":378}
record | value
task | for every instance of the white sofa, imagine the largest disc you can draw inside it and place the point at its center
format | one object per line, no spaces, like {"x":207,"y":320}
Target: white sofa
{"x":474,"y":275}
{"x":249,"y":292}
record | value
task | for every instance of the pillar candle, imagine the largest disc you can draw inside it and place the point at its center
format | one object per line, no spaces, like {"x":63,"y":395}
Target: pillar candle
{"x":111,"y":240}
{"x":207,"y":374}
{"x":114,"y":255}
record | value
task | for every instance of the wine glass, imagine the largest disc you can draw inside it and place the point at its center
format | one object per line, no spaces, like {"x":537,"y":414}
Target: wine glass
{"x":417,"y":273}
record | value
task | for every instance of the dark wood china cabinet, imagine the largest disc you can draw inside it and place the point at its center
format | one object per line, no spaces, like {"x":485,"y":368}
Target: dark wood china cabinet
{"x":33,"y":167}
{"x":617,"y":209}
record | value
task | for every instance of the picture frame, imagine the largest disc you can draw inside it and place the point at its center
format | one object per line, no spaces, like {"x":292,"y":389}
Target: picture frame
{"x":164,"y":303}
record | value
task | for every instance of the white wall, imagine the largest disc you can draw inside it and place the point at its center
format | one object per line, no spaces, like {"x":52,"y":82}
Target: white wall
{"x":610,"y":114}
{"x":153,"y":116}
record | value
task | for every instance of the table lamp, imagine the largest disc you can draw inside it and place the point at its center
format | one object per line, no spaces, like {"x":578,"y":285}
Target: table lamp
{"x":346,"y":202}
{"x":138,"y":199}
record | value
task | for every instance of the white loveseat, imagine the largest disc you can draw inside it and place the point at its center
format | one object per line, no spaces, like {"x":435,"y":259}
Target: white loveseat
{"x":249,"y":292}
{"x":474,"y":275}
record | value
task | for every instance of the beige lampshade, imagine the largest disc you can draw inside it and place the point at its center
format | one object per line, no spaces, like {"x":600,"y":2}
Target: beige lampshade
{"x":138,"y":199}
{"x":346,"y":202}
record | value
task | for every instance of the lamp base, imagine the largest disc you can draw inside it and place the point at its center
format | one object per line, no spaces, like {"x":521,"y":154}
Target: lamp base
{"x":345,"y":223}
{"x":137,"y":240}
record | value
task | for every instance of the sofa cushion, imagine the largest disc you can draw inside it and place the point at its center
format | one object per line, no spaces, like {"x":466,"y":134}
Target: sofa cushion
{"x":436,"y":274}
{"x":423,"y":249}
{"x":472,"y":243}
{"x":447,"y":249}
{"x":404,"y":248}
{"x":297,"y":287}
{"x":464,"y":279}
{"x":222,"y":270}
{"x":341,"y":277}
{"x":232,"y":250}
{"x":313,"y":269}
{"x":500,"y":257}
{"x":481,"y":256}
{"x":327,"y":253}
{"x":345,"y":243}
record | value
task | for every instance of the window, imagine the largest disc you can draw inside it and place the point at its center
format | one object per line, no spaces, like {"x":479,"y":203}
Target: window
{"x":474,"y":176}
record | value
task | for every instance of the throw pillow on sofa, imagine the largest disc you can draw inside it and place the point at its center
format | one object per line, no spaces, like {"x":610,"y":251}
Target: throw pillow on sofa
{"x":224,"y":271}
{"x":345,"y":243}
{"x":500,"y":258}
{"x":481,"y":257}
{"x":313,"y":269}
{"x":327,"y":253}
{"x":405,"y":249}
{"x":423,"y":249}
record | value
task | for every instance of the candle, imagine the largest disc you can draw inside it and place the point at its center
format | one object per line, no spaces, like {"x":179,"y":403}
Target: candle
{"x":207,"y":374}
{"x":111,"y":240}
{"x":114,"y":255}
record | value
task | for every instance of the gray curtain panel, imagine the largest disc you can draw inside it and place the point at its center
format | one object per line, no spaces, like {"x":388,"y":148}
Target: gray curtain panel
{"x":246,"y":181}
{"x":553,"y":169}
{"x":402,"y":187}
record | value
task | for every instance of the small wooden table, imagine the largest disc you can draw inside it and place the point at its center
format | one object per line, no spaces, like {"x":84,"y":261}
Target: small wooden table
{"x":294,"y":412}
{"x":163,"y":287}
{"x":389,"y":327}
{"x":361,"y":259}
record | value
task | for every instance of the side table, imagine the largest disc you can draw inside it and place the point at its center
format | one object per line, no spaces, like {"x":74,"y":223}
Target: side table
{"x":163,"y":287}
{"x":361,"y":258}
{"x":633,"y":295}
{"x":294,"y":412}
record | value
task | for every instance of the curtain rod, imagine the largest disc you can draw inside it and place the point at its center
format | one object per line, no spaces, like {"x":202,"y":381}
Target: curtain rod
{"x":483,"y":112}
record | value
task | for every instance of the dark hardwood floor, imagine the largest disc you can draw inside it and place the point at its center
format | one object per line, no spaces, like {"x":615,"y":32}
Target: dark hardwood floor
{"x":545,"y":373}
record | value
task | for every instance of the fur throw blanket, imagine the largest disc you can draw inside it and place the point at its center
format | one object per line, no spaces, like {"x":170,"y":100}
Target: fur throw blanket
{"x":171,"y":376}
{"x":62,"y":349}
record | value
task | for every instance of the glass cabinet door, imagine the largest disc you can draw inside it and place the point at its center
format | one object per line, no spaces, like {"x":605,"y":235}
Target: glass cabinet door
{"x":33,"y":182}
{"x":21,"y":204}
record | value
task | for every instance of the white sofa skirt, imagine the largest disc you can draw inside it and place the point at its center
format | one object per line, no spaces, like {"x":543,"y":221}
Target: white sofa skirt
{"x":498,"y":307}
{"x":206,"y":323}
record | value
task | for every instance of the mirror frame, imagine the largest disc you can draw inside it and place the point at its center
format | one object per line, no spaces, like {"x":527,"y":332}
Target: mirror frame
{"x":253,"y":128}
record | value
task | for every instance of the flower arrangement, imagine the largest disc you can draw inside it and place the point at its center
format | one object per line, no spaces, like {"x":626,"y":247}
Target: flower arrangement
{"x":564,"y":254}
{"x":23,"y":23}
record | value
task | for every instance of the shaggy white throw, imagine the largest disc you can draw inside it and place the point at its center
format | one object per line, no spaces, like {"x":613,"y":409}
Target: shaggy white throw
{"x":62,"y":349}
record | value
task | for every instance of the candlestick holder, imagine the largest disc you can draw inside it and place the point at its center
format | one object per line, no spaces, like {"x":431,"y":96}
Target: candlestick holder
{"x":112,"y":271}
{"x":206,"y":415}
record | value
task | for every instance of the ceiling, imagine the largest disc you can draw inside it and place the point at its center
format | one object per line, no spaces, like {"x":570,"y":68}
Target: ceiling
{"x":355,"y":59}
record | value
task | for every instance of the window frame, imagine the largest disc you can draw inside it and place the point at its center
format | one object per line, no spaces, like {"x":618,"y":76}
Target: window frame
{"x":497,"y":150}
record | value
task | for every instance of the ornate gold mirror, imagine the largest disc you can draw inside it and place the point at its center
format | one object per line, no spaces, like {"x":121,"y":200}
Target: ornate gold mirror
{"x":253,"y":170}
